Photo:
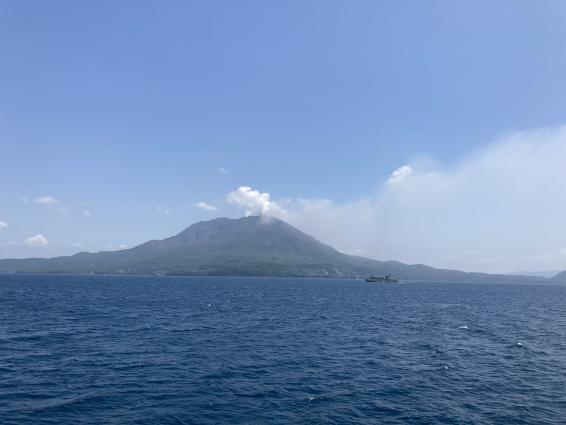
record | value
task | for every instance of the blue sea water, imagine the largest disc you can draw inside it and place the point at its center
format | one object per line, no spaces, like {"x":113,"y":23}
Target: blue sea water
{"x":166,"y":350}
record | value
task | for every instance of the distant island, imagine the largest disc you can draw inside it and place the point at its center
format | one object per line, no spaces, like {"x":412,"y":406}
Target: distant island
{"x":249,"y":246}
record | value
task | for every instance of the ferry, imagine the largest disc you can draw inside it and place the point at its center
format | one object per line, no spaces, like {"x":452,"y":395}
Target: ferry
{"x":385,"y":279}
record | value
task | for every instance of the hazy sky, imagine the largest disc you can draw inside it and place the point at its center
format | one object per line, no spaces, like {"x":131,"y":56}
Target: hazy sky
{"x":420,"y":131}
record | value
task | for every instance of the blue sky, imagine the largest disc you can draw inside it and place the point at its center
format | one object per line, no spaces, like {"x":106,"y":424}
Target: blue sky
{"x":115,"y":108}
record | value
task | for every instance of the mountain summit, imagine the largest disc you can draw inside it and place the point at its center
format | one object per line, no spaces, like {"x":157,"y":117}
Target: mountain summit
{"x":249,"y":246}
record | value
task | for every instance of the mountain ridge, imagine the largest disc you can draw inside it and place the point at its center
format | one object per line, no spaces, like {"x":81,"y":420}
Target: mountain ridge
{"x":248,"y":246}
{"x":559,"y":277}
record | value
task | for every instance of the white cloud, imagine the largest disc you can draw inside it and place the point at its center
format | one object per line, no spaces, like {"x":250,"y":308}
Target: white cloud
{"x":46,"y":200}
{"x":36,"y":241}
{"x":499,"y":209}
{"x":162,"y":209}
{"x":400,"y":174}
{"x":254,"y":202}
{"x":205,"y":206}
{"x":223,"y":170}
{"x":3,"y":225}
{"x":111,"y":247}
{"x":50,"y":202}
{"x":78,"y":245}
{"x":62,"y":207}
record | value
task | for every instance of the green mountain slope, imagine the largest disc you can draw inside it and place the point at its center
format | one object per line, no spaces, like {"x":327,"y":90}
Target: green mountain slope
{"x":250,"y":246}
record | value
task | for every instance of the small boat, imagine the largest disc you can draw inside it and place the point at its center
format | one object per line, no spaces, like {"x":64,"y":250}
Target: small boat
{"x":385,"y":279}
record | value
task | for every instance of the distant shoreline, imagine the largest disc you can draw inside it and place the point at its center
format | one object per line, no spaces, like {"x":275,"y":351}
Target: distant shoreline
{"x":534,"y":282}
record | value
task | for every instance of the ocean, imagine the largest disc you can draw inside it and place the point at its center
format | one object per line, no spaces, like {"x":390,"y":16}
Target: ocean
{"x":192,"y":350}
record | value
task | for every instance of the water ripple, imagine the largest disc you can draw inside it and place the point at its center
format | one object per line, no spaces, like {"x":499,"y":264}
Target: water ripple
{"x":100,"y":349}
